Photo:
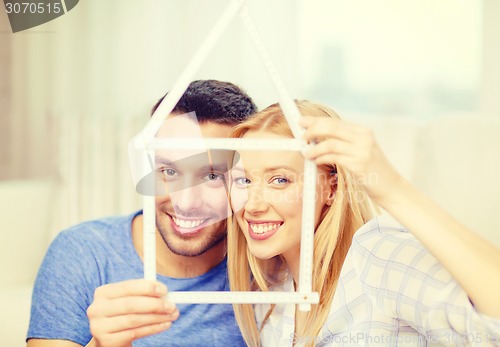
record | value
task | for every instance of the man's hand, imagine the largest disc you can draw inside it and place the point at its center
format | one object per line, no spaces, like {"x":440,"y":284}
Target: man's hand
{"x":126,"y":311}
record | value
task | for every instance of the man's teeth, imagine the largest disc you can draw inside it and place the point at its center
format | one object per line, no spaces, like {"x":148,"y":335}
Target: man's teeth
{"x":188,"y":224}
{"x":263,"y":227}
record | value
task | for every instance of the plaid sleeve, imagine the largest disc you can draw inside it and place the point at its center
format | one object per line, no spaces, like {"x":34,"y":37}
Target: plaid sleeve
{"x":407,"y":283}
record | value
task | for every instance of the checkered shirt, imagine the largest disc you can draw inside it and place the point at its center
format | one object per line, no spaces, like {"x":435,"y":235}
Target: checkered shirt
{"x":391,"y":292}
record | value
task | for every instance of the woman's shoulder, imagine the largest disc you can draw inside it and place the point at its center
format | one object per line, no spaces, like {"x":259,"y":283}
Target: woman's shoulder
{"x":379,"y":225}
{"x":383,"y":240}
{"x":381,"y":235}
{"x":383,"y":247}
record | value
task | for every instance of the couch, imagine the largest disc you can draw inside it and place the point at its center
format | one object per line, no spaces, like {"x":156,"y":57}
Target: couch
{"x":25,"y":217}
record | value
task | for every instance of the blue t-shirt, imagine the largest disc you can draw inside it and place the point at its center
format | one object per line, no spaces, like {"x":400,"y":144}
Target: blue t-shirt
{"x":95,"y":253}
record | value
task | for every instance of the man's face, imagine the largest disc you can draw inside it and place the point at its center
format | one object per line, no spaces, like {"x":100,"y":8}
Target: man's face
{"x":191,"y":212}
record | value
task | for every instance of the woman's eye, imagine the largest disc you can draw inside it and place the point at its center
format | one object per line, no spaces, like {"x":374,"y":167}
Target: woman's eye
{"x":241,"y":181}
{"x":280,"y":181}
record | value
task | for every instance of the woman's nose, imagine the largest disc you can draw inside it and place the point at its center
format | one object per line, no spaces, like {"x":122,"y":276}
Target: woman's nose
{"x":256,"y":202}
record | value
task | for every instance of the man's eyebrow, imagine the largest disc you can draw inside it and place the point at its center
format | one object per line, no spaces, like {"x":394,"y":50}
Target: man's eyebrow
{"x":164,"y":161}
{"x":215,"y":167}
{"x":179,"y":164}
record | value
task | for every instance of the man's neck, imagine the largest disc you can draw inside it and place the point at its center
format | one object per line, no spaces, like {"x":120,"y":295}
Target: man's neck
{"x":174,"y":265}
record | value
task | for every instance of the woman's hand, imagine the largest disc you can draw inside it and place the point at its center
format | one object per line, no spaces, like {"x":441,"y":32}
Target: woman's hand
{"x":355,"y":149}
{"x":469,"y":258}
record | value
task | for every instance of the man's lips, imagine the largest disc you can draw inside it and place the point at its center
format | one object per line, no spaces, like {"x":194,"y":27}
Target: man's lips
{"x":262,"y":230}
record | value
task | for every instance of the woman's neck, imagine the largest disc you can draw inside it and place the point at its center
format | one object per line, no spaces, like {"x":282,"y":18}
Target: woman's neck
{"x":292,"y":259}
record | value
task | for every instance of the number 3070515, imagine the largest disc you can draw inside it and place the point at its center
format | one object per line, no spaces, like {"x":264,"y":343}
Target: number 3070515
{"x":32,"y":7}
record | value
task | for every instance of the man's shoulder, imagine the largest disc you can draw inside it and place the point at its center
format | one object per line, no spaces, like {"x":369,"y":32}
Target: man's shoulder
{"x":102,"y":241}
{"x":107,"y":230}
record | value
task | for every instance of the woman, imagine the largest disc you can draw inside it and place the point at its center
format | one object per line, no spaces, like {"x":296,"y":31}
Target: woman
{"x":377,"y":283}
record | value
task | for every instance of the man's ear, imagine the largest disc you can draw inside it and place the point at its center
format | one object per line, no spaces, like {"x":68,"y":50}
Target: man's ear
{"x":333,"y":188}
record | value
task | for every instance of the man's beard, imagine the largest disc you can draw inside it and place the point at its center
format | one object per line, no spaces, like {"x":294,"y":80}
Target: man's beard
{"x":188,"y":251}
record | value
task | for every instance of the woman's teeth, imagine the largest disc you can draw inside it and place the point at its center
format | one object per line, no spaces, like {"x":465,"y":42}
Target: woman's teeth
{"x":263,"y":227}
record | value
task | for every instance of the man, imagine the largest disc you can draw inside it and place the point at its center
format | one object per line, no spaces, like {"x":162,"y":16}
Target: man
{"x":88,"y":291}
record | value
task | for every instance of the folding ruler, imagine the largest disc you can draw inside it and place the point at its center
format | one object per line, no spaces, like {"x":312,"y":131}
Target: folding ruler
{"x":145,"y":141}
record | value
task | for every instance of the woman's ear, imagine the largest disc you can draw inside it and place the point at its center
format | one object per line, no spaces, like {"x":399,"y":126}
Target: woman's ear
{"x":333,"y":188}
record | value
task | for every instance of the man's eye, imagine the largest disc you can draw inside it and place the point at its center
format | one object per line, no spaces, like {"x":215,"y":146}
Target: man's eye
{"x":214,"y":177}
{"x":168,"y":172}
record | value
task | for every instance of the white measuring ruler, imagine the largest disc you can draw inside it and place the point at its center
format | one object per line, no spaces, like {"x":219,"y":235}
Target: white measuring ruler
{"x":304,"y":295}
{"x":237,"y":144}
{"x":242,"y":297}
{"x":292,"y":114}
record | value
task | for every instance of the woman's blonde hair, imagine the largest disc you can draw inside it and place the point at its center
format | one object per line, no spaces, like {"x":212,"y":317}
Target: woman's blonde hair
{"x":333,"y":236}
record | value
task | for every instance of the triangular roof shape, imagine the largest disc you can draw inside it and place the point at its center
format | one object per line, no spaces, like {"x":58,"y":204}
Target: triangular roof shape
{"x":235,"y":7}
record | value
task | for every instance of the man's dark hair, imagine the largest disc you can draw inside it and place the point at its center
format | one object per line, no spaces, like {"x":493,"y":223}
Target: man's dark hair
{"x":214,"y":101}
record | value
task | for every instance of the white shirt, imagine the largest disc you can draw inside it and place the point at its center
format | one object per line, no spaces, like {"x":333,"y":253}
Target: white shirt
{"x":391,"y":292}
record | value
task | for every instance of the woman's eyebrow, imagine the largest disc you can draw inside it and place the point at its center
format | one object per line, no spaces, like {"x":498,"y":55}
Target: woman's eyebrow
{"x":266,"y":170}
{"x":236,"y":168}
{"x":277,"y":168}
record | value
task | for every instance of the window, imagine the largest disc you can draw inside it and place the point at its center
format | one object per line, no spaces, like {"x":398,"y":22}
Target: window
{"x":405,"y":58}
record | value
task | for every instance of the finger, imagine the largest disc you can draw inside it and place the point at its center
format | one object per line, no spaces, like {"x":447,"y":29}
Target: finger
{"x":127,"y":336}
{"x":317,"y":127}
{"x":330,"y":146}
{"x":138,"y":287}
{"x":332,"y":159}
{"x":132,"y":321}
{"x":129,"y":305}
{"x":150,"y":330}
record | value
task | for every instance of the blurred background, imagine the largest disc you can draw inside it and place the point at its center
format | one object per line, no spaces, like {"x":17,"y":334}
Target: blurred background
{"x":423,"y":74}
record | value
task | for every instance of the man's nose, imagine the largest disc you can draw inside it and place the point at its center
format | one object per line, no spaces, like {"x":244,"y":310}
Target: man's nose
{"x":187,"y":198}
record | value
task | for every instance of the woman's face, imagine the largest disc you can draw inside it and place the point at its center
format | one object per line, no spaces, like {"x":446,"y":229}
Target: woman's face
{"x":266,"y":196}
